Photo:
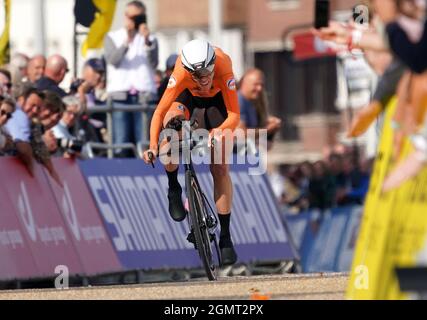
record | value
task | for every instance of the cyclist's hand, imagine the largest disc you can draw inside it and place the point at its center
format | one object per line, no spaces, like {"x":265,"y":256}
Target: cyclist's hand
{"x":149,"y":156}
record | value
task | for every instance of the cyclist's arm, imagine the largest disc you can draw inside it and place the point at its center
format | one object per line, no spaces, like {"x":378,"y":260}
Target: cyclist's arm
{"x":232,"y":104}
{"x":175,"y":87}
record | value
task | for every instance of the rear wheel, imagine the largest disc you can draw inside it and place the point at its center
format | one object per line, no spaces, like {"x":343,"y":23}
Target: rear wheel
{"x":198,"y":216}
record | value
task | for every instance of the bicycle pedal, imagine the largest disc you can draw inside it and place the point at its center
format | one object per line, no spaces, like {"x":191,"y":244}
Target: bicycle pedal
{"x":192,"y":239}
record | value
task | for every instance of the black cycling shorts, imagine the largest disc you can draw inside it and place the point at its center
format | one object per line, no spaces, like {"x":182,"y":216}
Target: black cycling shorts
{"x":209,"y":112}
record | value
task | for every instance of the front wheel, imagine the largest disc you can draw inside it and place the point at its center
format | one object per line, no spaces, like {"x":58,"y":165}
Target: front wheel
{"x":199,"y":226}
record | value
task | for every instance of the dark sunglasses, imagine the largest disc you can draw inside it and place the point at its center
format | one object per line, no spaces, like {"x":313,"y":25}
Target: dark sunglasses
{"x":8,"y":114}
{"x":201,"y":73}
{"x":8,"y":85}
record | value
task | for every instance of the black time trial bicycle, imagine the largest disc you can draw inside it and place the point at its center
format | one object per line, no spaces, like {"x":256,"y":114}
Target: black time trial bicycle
{"x":201,"y":218}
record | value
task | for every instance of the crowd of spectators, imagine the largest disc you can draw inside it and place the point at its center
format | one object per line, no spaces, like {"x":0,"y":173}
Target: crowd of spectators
{"x":392,"y":41}
{"x":41,"y":118}
{"x":341,"y":179}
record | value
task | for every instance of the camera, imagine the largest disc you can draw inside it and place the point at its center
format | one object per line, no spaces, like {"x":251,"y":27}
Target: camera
{"x":321,"y":18}
{"x":139,"y":19}
{"x":75,"y":85}
{"x":70,"y":145}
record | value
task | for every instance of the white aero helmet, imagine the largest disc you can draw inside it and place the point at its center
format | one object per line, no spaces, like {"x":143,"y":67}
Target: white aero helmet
{"x":198,"y":57}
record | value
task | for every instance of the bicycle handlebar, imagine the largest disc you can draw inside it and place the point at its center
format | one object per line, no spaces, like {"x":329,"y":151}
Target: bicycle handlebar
{"x":176,"y":124}
{"x":151,"y":156}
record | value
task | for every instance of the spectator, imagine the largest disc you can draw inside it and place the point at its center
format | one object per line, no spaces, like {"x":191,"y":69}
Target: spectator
{"x":18,"y":66}
{"x":93,"y":71}
{"x":346,"y":178}
{"x":359,"y":184}
{"x":51,"y":110}
{"x":158,"y":78}
{"x":404,"y":25}
{"x":132,"y":56}
{"x":49,"y":115}
{"x":411,"y":50}
{"x":87,"y":89}
{"x":170,"y":66}
{"x":336,"y":170}
{"x":277,"y":182}
{"x":253,"y":105}
{"x":68,"y":119}
{"x":29,"y":103}
{"x":27,"y":131}
{"x":101,"y":95}
{"x":68,"y":143}
{"x":39,"y":140}
{"x":5,"y":83}
{"x":306,"y":169}
{"x":322,"y":187}
{"x":55,"y":71}
{"x":36,"y":68}
{"x":386,"y":89}
{"x":7,"y":108}
{"x":293,"y":196}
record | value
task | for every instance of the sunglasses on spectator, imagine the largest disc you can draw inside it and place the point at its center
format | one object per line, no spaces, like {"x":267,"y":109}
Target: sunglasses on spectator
{"x":8,"y":114}
{"x":8,"y":85}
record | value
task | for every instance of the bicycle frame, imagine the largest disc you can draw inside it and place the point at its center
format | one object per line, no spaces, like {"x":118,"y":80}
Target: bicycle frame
{"x":202,"y":219}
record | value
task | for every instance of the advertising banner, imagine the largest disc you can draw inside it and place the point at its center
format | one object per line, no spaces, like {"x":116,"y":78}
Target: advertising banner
{"x":16,"y":258}
{"x":132,"y":199}
{"x":82,"y":219}
{"x":36,"y":210}
{"x":326,"y":241}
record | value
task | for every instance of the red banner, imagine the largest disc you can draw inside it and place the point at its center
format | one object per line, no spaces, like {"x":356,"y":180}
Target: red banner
{"x":16,"y":258}
{"x":83,"y":220}
{"x":43,"y":225}
{"x":307,"y":46}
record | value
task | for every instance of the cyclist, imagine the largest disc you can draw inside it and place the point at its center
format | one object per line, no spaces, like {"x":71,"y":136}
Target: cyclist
{"x":201,"y":87}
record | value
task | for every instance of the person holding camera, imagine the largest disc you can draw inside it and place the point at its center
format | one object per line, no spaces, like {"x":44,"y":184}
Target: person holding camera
{"x":132,"y":57}
{"x":84,"y":87}
{"x":68,"y":145}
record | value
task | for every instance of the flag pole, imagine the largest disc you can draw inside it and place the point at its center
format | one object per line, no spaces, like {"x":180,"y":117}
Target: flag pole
{"x":75,"y":49}
{"x":40,"y":30}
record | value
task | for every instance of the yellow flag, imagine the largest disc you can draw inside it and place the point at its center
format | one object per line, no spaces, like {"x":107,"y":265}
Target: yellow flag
{"x":369,"y":257}
{"x":101,"y":24}
{"x":4,"y":38}
{"x":394,"y":226}
{"x":409,"y":231}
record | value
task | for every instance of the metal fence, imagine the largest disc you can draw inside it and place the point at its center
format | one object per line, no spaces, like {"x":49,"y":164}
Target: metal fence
{"x":146,"y":107}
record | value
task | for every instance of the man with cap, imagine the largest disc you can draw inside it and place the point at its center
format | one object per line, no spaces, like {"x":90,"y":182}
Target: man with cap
{"x":93,"y":71}
{"x":84,"y":88}
{"x":170,"y":65}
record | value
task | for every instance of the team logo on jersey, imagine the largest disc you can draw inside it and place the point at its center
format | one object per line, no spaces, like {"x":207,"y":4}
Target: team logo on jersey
{"x":172,"y":82}
{"x":231,"y":84}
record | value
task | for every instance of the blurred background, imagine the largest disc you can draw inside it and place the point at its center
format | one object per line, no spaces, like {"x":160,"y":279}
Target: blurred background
{"x":301,"y":86}
{"x":317,"y":178}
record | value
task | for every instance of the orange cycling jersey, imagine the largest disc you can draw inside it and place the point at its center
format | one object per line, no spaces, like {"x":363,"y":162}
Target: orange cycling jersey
{"x":181,"y":79}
